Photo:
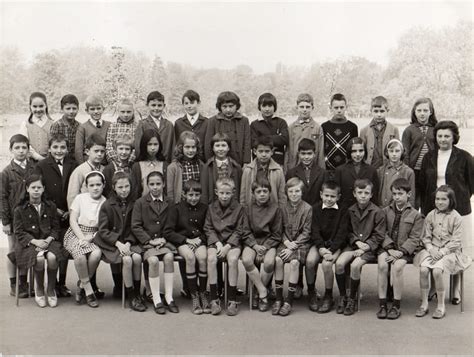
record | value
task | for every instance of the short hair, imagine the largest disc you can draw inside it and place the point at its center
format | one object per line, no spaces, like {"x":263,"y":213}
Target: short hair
{"x":225,"y":181}
{"x":19,"y":138}
{"x":43,"y":98}
{"x":305,"y":97}
{"x":33,"y":178}
{"x":227,"y":97}
{"x":123,"y":139}
{"x":57,"y":137}
{"x":293,"y":182}
{"x":447,"y":124}
{"x":94,"y":139}
{"x":306,"y":144}
{"x":379,"y":102}
{"x":155,"y":95}
{"x":94,"y":174}
{"x":119,"y":175}
{"x":220,"y":137}
{"x":401,"y":184}
{"x":264,"y":140}
{"x":125,"y":101}
{"x":192,"y":96}
{"x":94,"y":100}
{"x":261,"y":182}
{"x":338,"y":96}
{"x":355,"y":141}
{"x":432,"y":120}
{"x":451,"y":195}
{"x":155,"y":174}
{"x":69,"y":99}
{"x":148,"y":134}
{"x":391,"y":144}
{"x":192,"y":185}
{"x":178,"y":150}
{"x":363,"y":183}
{"x":331,"y":185}
{"x":267,"y":99}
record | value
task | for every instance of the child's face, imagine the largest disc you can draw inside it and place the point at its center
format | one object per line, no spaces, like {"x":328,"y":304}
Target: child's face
{"x":70,"y":111}
{"x":228,"y":109}
{"x":58,"y":150}
{"x":95,"y":186}
{"x":379,"y":113}
{"x":338,"y":109}
{"x":422,"y":113}
{"x":306,"y":156}
{"x":19,"y":151}
{"x":125,"y":112}
{"x":95,"y":111}
{"x":189,"y":148}
{"x":395,"y":154}
{"x":221,"y":149}
{"x":35,"y":190}
{"x":38,"y":107}
{"x":445,"y":139}
{"x":152,"y":147}
{"x":96,"y":154}
{"x":330,"y":197}
{"x":357,"y":153}
{"x":363,"y":195}
{"x":267,"y":111}
{"x":304,"y":110}
{"x":263,"y":154}
{"x":295,"y":194}
{"x":155,"y":185}
{"x":156,"y":107}
{"x":400,"y":197}
{"x":224,"y":194}
{"x":262,"y":195}
{"x":191,"y":107}
{"x":123,"y":152}
{"x":442,"y":201}
{"x":192,"y":197}
{"x":122,"y":188}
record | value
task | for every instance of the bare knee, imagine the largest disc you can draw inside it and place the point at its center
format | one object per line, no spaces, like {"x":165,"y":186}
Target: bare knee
{"x":383,"y":268}
{"x":52,"y":261}
{"x":294,"y":265}
{"x":437,"y":273}
{"x":326,"y":265}
{"x":424,"y":272}
{"x":127,"y":261}
{"x":137,"y":259}
{"x":248,"y":262}
{"x":153,"y":261}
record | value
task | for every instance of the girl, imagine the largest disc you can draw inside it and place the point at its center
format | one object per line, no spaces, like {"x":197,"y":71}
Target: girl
{"x":443,"y":249}
{"x":38,"y":126}
{"x":150,"y":159}
{"x":148,"y":220}
{"x":36,"y":227}
{"x":418,"y":138}
{"x":84,"y":222}
{"x":392,"y":170}
{"x":186,"y":165}
{"x":115,"y":237}
{"x":355,"y":168}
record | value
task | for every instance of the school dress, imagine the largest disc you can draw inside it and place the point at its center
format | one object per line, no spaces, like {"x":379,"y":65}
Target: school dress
{"x":185,"y":222}
{"x":443,"y":230}
{"x":140,"y":171}
{"x":88,"y":209}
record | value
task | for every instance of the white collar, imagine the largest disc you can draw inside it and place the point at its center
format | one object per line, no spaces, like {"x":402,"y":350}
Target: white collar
{"x":20,"y":163}
{"x":334,"y":206}
{"x":93,"y":122}
{"x":153,"y":198}
{"x":192,"y":118}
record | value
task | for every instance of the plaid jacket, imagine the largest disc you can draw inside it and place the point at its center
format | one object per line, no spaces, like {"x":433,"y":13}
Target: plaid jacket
{"x":114,"y":130}
{"x":63,"y":126}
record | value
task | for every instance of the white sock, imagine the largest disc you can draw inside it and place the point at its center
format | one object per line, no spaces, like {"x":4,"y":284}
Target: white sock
{"x":169,"y":287}
{"x":155,"y":289}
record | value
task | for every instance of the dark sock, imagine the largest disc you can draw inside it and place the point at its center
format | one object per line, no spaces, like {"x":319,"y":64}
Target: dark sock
{"x":328,"y":293}
{"x":94,"y":281}
{"x":354,"y":287}
{"x":130,"y":292}
{"x":202,"y":281}
{"x":341,"y":283}
{"x":192,"y":282}
{"x":62,"y":279}
{"x":136,"y":286}
{"x":300,"y":277}
{"x":23,"y":280}
{"x":383,"y":302}
{"x":232,"y":293}
{"x":291,"y":292}
{"x":396,"y":303}
{"x":279,"y":290}
{"x":220,"y":277}
{"x":213,"y":288}
{"x":52,"y":275}
{"x":145,"y":270}
{"x":13,"y":281}
{"x":117,"y":278}
{"x":311,"y":288}
{"x":182,"y":272}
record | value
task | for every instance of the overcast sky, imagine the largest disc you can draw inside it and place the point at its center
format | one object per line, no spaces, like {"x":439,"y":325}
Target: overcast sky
{"x":224,"y":35}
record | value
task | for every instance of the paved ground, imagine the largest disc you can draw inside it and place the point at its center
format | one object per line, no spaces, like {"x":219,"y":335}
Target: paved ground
{"x":72,"y":329}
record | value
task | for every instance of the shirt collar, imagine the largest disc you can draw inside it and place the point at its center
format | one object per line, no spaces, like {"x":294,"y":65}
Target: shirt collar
{"x":374,"y":123}
{"x":93,"y":122}
{"x":334,"y":206}
{"x":192,"y":118}
{"x":153,"y":198}
{"x":20,"y":163}
{"x":219,"y":163}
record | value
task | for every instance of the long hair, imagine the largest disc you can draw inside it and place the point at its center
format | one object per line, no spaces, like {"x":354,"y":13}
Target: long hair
{"x":432,"y":120}
{"x":146,"y":137}
{"x":42,"y":96}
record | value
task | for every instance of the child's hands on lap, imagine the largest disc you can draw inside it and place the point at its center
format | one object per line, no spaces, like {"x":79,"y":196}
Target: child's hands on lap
{"x":363,"y":246}
{"x":328,"y":257}
{"x":222,"y":253}
{"x":124,"y":249}
{"x":286,"y":253}
{"x":260,"y":249}
{"x":291,"y":245}
{"x":358,"y":252}
{"x":7,"y":229}
{"x":394,"y":254}
{"x":194,"y":242}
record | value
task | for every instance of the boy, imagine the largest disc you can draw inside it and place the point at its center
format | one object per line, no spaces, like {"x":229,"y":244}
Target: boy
{"x":122,"y":147}
{"x":329,"y":236}
{"x":378,"y":133}
{"x":193,"y":120}
{"x":337,"y":132}
{"x":270,"y":125}
{"x":56,"y":170}
{"x":263,"y":167}
{"x":366,"y":234}
{"x":232,"y":123}
{"x":95,"y":125}
{"x":225,"y":228}
{"x":304,"y":127}
{"x":12,"y":189}
{"x":402,"y":238}
{"x":68,"y":124}
{"x":155,"y":120}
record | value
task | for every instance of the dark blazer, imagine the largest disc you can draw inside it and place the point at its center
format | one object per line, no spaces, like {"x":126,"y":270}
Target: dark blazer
{"x":185,"y":221}
{"x":209,"y":178}
{"x":277,"y":129}
{"x":148,"y":221}
{"x":459,"y":175}
{"x":199,"y":128}
{"x":368,"y":227}
{"x":312,"y":190}
{"x":338,"y":237}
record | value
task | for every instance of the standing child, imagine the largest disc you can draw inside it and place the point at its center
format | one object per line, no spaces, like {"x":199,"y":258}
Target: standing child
{"x":184,"y":228}
{"x":155,"y":121}
{"x":263,"y":167}
{"x":95,"y":125}
{"x":229,"y":121}
{"x":402,"y":239}
{"x":270,"y":125}
{"x":37,"y":127}
{"x":12,"y":188}
{"x":123,"y":149}
{"x":443,"y":249}
{"x":393,"y":169}
{"x":304,"y":127}
{"x":68,"y":124}
{"x":149,"y":217}
{"x":366,"y":234}
{"x":37,"y":232}
{"x":418,"y":138}
{"x":84,"y":221}
{"x":296,"y":236}
{"x":115,"y":238}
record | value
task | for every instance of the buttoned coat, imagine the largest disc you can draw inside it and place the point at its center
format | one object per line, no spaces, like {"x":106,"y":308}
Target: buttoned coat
{"x":367,"y":226}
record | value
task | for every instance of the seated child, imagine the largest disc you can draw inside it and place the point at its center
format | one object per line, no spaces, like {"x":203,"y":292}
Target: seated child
{"x":366,"y":234}
{"x":122,"y":147}
{"x":296,"y":236}
{"x":402,"y":239}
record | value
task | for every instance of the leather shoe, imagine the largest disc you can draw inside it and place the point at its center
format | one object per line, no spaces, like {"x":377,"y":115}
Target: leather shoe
{"x":327,"y":305}
{"x":285,"y":309}
{"x":80,"y":294}
{"x":438,"y":314}
{"x":53,"y":300}
{"x":263,"y":304}
{"x":276,"y":307}
{"x":456,"y":301}
{"x":99,"y":294}
{"x":91,"y":300}
{"x":160,"y":308}
{"x":40,"y":300}
{"x":63,"y":291}
{"x":394,"y":313}
{"x":420,"y":312}
{"x":382,"y":313}
{"x":172,"y":307}
{"x":313,"y":302}
{"x":136,"y":304}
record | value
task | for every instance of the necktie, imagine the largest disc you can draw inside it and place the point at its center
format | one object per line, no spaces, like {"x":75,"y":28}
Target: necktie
{"x":98,"y":125}
{"x":59,"y":162}
{"x":23,"y":164}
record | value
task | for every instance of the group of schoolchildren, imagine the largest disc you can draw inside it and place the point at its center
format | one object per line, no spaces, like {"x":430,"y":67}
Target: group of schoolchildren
{"x":136,"y":192}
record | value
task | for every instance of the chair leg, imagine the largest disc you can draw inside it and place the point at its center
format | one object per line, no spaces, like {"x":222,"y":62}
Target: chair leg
{"x":123,"y":289}
{"x":358,"y":298}
{"x":451,"y":287}
{"x":224,"y":268}
{"x":461,"y":276}
{"x":250,"y":285}
{"x":17,"y":287}
{"x":32,"y":281}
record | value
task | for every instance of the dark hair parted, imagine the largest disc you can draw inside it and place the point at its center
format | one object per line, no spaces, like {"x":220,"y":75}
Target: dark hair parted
{"x":69,"y":99}
{"x":192,"y":185}
{"x":94,"y":139}
{"x":42,"y":96}
{"x":155,"y":174}
{"x":19,"y":138}
{"x":401,"y":184}
{"x":306,"y":144}
{"x":155,"y":95}
{"x":450,"y":125}
{"x":145,"y":139}
{"x":192,"y":96}
{"x":432,"y":120}
{"x":451,"y":195}
{"x":355,"y":141}
{"x":227,"y":97}
{"x":267,"y":99}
